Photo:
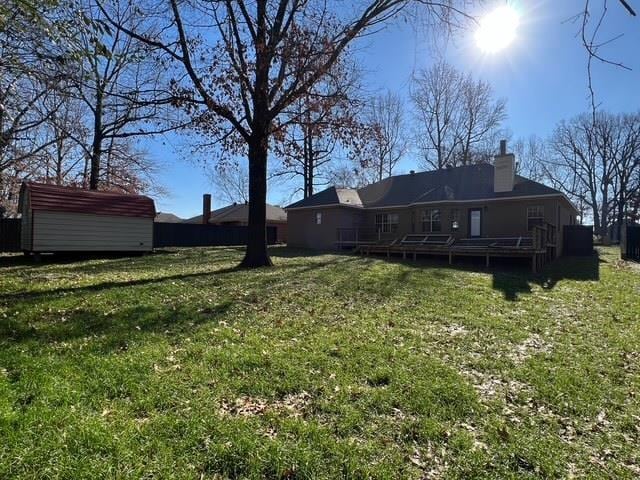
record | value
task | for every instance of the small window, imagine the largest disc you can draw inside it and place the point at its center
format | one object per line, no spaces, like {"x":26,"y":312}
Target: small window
{"x":535,"y":216}
{"x":319,"y":218}
{"x":431,"y":220}
{"x":387,"y":222}
{"x":455,"y":220}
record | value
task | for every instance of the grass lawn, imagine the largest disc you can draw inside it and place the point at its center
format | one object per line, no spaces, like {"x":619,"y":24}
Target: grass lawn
{"x":177,"y":365}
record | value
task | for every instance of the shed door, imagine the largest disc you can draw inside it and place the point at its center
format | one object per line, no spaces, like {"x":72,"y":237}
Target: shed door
{"x":475,"y":222}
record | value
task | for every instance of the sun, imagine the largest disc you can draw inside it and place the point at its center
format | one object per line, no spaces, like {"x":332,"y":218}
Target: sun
{"x":497,"y":29}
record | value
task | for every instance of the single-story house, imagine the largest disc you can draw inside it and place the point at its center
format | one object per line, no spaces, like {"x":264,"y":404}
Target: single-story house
{"x":473,"y":201}
{"x":166,"y":217}
{"x":238,"y":214}
{"x":68,"y":219}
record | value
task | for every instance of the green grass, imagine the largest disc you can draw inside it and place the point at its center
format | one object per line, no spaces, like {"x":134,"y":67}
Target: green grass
{"x":177,"y":365}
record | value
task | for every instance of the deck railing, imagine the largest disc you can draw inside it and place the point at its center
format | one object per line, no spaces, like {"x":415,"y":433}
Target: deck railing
{"x":545,"y":237}
{"x":357,"y":235}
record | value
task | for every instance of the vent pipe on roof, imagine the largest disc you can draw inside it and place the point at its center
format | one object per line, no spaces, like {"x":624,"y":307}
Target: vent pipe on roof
{"x":504,"y":170}
{"x":206,"y":208}
{"x":412,"y":172}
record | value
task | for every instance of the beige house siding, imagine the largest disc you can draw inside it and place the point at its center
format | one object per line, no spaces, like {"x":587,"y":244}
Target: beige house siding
{"x":304,"y":232}
{"x":63,"y":231}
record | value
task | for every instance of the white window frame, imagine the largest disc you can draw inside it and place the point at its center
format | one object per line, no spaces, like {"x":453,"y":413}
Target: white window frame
{"x":535,"y":212}
{"x":428,"y":220}
{"x":387,"y":222}
{"x":318,"y":218}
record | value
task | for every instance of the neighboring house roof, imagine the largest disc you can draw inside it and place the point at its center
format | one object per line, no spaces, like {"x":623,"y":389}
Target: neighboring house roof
{"x":239,"y":212}
{"x":162,"y":217}
{"x":472,"y":182}
{"x":77,"y":200}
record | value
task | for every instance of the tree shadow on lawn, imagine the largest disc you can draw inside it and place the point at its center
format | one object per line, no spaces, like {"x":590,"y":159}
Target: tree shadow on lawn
{"x":294,"y":268}
{"x":513,"y":284}
{"x":112,"y":331}
{"x":512,"y":276}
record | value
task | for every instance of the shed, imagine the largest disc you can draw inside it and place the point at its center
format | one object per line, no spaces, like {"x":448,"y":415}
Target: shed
{"x":67,"y":219}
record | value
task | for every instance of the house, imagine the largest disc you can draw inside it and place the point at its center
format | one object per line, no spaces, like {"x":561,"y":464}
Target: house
{"x":166,"y":217}
{"x":67,"y":219}
{"x":238,"y":214}
{"x":468,"y":202}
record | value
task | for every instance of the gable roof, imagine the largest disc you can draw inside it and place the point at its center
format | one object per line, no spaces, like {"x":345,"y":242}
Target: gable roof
{"x":165,"y":217}
{"x":239,"y":212}
{"x":467,"y":183}
{"x":77,"y":200}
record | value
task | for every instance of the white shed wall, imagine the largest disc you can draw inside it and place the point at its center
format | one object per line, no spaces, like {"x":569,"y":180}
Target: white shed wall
{"x":64,"y":231}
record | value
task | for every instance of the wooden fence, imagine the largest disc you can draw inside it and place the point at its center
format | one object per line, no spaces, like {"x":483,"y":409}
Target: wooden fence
{"x":630,"y":242}
{"x":577,"y":240}
{"x":10,"y":234}
{"x":164,"y":235}
{"x":198,"y":235}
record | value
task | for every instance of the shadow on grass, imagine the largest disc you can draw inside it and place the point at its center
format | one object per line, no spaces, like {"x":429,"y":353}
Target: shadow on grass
{"x":113,"y":331}
{"x":512,"y":284}
{"x":297,"y":268}
{"x":512,"y":276}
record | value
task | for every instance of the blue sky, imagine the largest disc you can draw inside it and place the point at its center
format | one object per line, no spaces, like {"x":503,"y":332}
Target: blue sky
{"x":542,"y":75}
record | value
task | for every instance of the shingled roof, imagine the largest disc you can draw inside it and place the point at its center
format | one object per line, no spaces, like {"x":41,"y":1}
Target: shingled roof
{"x":239,"y":212}
{"x":472,"y":182}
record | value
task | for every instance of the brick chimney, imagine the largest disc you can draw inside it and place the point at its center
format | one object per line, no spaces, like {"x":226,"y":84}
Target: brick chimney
{"x":504,"y":170}
{"x":206,"y":208}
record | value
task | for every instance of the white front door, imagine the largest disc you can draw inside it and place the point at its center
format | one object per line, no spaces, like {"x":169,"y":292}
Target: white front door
{"x":475,"y":223}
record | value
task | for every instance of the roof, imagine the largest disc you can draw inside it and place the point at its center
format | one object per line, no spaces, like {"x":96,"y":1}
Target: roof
{"x":467,"y":183}
{"x":77,"y":200}
{"x":163,"y":217}
{"x":239,"y":212}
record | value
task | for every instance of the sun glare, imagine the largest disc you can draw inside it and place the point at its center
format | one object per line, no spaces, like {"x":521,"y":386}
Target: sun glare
{"x":497,"y":30}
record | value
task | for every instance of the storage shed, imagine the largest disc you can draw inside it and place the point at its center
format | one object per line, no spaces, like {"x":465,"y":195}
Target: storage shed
{"x":66,"y":219}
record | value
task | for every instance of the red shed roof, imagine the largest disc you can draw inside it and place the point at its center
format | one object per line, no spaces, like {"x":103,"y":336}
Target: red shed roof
{"x":77,"y":200}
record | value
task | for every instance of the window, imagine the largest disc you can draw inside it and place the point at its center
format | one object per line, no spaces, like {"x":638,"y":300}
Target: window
{"x":535,"y":216}
{"x":318,"y":218}
{"x":387,"y":222}
{"x":455,"y":220}
{"x":431,"y":220}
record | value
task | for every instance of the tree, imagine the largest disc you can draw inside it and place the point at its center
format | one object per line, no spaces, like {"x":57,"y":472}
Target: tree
{"x":121,"y":89}
{"x":320,"y":123}
{"x":387,"y":143}
{"x":260,"y":58}
{"x":595,"y":160}
{"x":531,"y":155}
{"x":458,"y":119}
{"x":231,"y":183}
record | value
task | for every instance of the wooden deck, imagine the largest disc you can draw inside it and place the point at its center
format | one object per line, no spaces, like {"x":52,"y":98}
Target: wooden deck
{"x":540,"y":247}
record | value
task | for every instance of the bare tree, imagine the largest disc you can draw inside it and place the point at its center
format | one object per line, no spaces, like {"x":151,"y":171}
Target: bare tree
{"x":595,"y":162}
{"x":386,"y":140}
{"x":121,"y":89}
{"x":256,"y":62}
{"x":532,"y":154}
{"x":478,"y":120}
{"x":436,"y":102}
{"x":590,"y":33}
{"x":320,"y":124}
{"x":231,"y":182}
{"x":457,"y":117}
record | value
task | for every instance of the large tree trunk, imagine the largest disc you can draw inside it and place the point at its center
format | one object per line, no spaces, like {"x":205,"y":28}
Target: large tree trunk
{"x":96,"y":147}
{"x":256,"y":254}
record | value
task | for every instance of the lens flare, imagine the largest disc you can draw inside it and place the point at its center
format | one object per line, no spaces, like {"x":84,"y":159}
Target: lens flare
{"x":498,"y":29}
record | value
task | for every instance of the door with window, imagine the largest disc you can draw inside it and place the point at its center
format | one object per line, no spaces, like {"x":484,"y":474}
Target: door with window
{"x":475,"y":222}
